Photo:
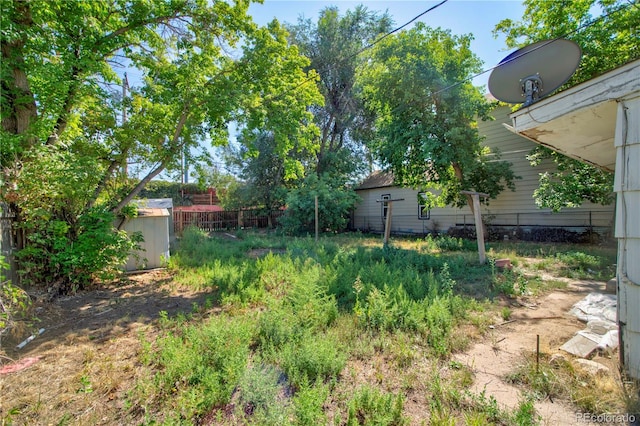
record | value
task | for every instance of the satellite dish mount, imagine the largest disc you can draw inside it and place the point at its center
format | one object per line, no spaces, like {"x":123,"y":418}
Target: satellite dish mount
{"x":535,"y":71}
{"x":531,"y":88}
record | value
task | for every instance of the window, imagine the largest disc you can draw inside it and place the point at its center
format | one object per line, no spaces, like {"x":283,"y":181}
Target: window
{"x":385,"y":205}
{"x":423,"y":212}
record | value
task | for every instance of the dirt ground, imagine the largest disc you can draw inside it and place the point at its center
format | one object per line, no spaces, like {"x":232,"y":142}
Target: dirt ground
{"x":496,"y":355}
{"x":86,"y":360}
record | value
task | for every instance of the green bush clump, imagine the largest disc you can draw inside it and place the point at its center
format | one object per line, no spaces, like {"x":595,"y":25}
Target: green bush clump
{"x":369,"y":406}
{"x":66,"y":257}
{"x":439,"y":323}
{"x":335,"y":201}
{"x":308,"y":404}
{"x":259,"y":389}
{"x":198,"y":366}
{"x":312,"y":358}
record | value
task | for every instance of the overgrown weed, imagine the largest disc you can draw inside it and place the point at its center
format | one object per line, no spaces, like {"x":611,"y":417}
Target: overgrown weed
{"x":290,"y":321}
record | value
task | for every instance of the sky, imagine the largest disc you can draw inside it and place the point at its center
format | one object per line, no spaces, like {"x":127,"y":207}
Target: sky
{"x":477,"y":17}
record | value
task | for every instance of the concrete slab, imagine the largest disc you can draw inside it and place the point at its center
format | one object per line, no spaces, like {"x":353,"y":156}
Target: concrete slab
{"x":580,"y":346}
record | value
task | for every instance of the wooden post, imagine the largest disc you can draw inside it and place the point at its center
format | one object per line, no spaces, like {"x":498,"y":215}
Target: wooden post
{"x":387,"y":226}
{"x":317,"y":224}
{"x":477,"y":216}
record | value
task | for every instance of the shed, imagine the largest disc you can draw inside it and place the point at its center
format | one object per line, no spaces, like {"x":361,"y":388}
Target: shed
{"x":154,"y":226}
{"x":160,"y":203}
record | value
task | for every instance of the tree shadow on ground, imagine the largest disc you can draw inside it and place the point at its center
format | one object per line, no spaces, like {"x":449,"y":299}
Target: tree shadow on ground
{"x":106,"y":312}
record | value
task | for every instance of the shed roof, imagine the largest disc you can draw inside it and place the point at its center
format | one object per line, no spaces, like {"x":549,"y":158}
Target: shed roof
{"x":153,"y":212}
{"x":199,"y":208}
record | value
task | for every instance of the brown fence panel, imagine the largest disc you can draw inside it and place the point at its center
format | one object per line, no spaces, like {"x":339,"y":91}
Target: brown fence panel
{"x":224,"y":220}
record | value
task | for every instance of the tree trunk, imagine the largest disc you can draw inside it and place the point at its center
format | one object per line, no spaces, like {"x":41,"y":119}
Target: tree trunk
{"x":20,"y":105}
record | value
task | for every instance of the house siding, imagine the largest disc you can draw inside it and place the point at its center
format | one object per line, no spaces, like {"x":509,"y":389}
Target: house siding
{"x":510,"y":208}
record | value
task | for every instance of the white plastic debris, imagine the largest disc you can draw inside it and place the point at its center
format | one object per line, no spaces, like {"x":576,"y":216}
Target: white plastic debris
{"x":599,"y":312}
{"x":28,"y":339}
{"x":596,"y":306}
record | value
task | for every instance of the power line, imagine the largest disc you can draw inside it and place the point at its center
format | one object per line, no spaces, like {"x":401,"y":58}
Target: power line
{"x":586,"y":25}
{"x":378,"y":40}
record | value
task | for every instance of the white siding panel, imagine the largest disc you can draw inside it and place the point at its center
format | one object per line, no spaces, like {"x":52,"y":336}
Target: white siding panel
{"x":509,"y":208}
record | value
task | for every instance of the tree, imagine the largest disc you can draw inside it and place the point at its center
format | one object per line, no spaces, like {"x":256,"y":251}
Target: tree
{"x":612,"y":40}
{"x":426,"y":123}
{"x":571,"y":183}
{"x":332,"y":44}
{"x":335,"y":201}
{"x":262,"y":170}
{"x":204,"y":64}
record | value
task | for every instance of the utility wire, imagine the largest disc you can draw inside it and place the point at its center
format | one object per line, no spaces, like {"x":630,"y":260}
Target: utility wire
{"x":586,"y":25}
{"x":379,"y":39}
{"x":365,"y":48}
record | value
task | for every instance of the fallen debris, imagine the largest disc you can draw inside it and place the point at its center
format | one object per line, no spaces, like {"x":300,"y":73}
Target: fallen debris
{"x":28,"y":339}
{"x":599,"y":312}
{"x":592,"y":367}
{"x":19,"y":365}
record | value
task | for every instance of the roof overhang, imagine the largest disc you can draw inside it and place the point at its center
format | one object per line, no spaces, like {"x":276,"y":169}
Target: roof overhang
{"x":580,"y":122}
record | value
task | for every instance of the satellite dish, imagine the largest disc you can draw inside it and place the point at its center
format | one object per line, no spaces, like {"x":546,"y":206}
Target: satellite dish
{"x":533,"y":72}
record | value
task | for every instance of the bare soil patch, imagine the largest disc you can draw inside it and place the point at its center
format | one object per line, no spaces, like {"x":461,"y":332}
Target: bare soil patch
{"x":88,"y":353}
{"x":499,"y":352}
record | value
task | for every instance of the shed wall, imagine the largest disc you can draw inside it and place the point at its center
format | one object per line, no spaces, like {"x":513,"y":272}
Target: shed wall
{"x":155,"y":247}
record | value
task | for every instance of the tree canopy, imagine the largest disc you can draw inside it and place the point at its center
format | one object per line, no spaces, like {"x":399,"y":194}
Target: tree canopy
{"x":203,"y":64}
{"x":608,"y":33}
{"x":426,"y":124}
{"x":333,"y":44}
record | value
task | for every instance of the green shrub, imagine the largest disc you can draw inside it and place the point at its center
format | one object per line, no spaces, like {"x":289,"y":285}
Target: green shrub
{"x":67,"y":256}
{"x":312,"y":358}
{"x":308,"y":404}
{"x":198,"y":366}
{"x":335,"y":201}
{"x":259,"y":399}
{"x":371,"y":407}
{"x":14,"y":303}
{"x":440,"y":323}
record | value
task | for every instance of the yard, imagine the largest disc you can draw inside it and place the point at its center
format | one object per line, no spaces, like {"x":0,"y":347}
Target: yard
{"x":257,"y":328}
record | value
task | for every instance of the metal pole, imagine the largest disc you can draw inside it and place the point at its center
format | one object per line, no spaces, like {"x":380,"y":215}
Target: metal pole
{"x":537,"y":353}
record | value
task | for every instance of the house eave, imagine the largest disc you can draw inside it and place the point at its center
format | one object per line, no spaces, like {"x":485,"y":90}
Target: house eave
{"x":580,"y":122}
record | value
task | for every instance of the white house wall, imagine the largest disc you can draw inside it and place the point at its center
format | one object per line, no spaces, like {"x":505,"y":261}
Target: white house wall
{"x":509,"y":208}
{"x":627,"y":187}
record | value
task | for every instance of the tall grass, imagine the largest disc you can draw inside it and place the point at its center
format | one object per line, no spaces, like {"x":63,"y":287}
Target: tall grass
{"x":287,"y":324}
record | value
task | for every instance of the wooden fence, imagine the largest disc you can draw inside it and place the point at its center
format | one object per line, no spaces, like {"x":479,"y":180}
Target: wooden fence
{"x":224,"y":220}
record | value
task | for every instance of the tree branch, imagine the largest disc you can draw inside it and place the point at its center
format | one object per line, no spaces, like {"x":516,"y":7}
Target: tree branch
{"x":155,"y":172}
